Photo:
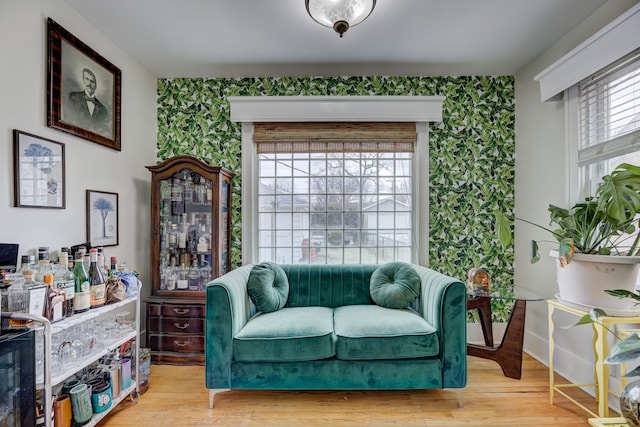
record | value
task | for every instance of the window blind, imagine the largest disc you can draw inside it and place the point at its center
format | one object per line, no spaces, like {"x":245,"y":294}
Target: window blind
{"x":609,"y":109}
{"x":334,"y":137}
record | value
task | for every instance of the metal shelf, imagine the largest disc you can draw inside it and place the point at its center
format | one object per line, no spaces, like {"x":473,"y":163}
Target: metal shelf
{"x":50,"y":329}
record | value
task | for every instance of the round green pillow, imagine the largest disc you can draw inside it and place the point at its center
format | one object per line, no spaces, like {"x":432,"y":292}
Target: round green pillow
{"x":394,"y":285}
{"x":268,"y":287}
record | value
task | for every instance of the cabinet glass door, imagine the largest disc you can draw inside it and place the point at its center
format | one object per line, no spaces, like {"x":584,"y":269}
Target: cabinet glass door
{"x":185,"y":231}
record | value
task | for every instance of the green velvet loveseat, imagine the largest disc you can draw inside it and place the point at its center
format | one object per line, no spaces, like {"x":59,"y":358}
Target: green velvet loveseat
{"x":331,"y":334}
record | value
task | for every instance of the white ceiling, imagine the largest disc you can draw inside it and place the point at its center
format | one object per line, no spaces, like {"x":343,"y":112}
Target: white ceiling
{"x":247,"y":38}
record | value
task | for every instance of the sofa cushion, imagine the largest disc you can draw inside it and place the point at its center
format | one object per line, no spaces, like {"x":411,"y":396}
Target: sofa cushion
{"x":394,"y":285}
{"x":287,"y":335}
{"x":268,"y":287}
{"x":368,"y":332}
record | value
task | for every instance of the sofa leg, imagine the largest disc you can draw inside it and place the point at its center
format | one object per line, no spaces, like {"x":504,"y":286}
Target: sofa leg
{"x":460,"y":397}
{"x":212,"y":393}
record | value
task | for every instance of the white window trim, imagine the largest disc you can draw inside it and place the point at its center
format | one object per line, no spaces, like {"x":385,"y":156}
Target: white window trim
{"x":419,"y":109}
{"x":611,"y":43}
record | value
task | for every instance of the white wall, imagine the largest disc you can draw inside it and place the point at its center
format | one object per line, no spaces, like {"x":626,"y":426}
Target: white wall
{"x":540,"y":180}
{"x":23,"y":49}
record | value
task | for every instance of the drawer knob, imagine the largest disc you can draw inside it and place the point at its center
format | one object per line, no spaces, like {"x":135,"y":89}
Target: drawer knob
{"x":181,"y":343}
{"x":181,"y":310}
{"x":181,"y":326}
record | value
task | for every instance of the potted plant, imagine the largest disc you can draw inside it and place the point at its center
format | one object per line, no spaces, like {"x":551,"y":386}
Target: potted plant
{"x":597,"y":240}
{"x":623,"y":351}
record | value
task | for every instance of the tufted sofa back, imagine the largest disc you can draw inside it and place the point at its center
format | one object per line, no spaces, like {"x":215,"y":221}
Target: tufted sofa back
{"x":328,"y":285}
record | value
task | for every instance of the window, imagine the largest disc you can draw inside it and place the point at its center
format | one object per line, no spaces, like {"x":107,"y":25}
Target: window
{"x":335,"y":207}
{"x":414,"y":112}
{"x":609,"y":121}
{"x":335,"y":193}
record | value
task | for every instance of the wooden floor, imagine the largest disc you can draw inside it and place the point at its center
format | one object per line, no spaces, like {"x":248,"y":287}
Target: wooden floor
{"x":177,"y":397}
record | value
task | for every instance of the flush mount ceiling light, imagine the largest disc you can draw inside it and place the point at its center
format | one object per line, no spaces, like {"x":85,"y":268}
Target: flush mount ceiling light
{"x":339,"y":14}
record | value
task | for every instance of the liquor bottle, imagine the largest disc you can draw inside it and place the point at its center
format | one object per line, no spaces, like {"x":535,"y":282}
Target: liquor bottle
{"x":54,"y":301}
{"x":25,"y":264}
{"x":205,"y":269}
{"x":44,"y":268}
{"x":173,"y":236}
{"x":188,"y":188}
{"x":18,"y":297}
{"x":63,"y":281}
{"x":182,"y":233}
{"x":101,"y":262}
{"x":114,"y":266}
{"x":182,"y":281}
{"x":176,"y":189}
{"x":82,"y":296}
{"x":203,"y":239}
{"x":201,"y":191}
{"x":171,"y":275}
{"x":97,"y":284}
{"x":195,"y":281}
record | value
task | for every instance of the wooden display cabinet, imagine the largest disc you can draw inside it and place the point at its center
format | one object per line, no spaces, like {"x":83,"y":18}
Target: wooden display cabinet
{"x":190,"y":243}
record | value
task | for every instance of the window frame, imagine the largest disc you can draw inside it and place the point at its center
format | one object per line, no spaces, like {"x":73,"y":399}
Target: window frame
{"x":419,"y":109}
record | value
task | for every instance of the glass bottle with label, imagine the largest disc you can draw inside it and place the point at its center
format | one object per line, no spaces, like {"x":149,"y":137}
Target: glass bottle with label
{"x":182,"y":281}
{"x":63,"y":281}
{"x":195,"y":281}
{"x":82,"y":296}
{"x":171,"y":275}
{"x":54,"y":301}
{"x":97,"y":284}
{"x":114,"y":266}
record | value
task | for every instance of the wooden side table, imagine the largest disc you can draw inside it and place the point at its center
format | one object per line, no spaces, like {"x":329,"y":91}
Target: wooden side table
{"x":508,"y":354}
{"x":608,"y":422}
{"x":600,"y":352}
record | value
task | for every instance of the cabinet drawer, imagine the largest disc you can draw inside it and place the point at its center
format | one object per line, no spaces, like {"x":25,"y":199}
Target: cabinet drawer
{"x":180,"y":325}
{"x":171,"y":310}
{"x":178,"y":343}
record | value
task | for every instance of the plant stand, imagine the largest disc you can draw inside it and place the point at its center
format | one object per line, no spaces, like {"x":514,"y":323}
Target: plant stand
{"x":600,"y":352}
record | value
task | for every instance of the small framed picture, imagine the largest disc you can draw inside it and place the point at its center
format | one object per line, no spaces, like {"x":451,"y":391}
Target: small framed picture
{"x":38,"y":167}
{"x":102,"y":218}
{"x":83,"y":89}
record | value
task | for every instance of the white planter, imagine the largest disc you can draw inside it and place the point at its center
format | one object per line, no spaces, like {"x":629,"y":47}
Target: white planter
{"x":584,"y":280}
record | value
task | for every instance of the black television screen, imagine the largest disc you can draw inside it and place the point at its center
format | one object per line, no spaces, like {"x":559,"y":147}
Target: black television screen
{"x":8,"y":256}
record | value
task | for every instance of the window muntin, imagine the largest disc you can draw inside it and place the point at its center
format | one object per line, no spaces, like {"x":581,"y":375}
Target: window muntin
{"x":339,"y":207}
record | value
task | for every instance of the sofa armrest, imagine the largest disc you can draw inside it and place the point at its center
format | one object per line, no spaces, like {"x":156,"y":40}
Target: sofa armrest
{"x":443,"y":303}
{"x":228,"y":309}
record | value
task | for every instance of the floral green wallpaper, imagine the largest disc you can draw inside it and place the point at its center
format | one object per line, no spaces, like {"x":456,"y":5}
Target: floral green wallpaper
{"x":471,"y":152}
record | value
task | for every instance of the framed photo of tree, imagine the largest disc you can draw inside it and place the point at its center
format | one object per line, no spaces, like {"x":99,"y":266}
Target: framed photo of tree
{"x":102,"y":218}
{"x":38,"y":166}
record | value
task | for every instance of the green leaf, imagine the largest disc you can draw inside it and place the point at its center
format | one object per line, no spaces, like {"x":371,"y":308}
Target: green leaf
{"x":634,"y":373}
{"x":535,"y":252}
{"x":587,"y":319}
{"x":503,"y":228}
{"x":624,"y":351}
{"x":623,"y":293}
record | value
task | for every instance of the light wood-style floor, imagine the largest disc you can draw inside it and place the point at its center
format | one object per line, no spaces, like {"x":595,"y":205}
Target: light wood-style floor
{"x":177,"y":397}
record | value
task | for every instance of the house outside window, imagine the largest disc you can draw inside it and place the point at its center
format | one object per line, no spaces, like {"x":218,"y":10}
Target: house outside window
{"x":335,"y":207}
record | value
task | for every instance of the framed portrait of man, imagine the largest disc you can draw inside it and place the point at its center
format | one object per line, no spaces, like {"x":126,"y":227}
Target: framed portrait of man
{"x":83,"y":89}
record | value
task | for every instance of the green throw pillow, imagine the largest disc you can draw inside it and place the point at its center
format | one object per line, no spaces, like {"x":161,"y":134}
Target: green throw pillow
{"x":394,"y":285}
{"x":268,"y":287}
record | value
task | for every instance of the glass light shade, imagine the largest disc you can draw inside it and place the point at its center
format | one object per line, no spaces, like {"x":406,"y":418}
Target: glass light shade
{"x":339,"y":14}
